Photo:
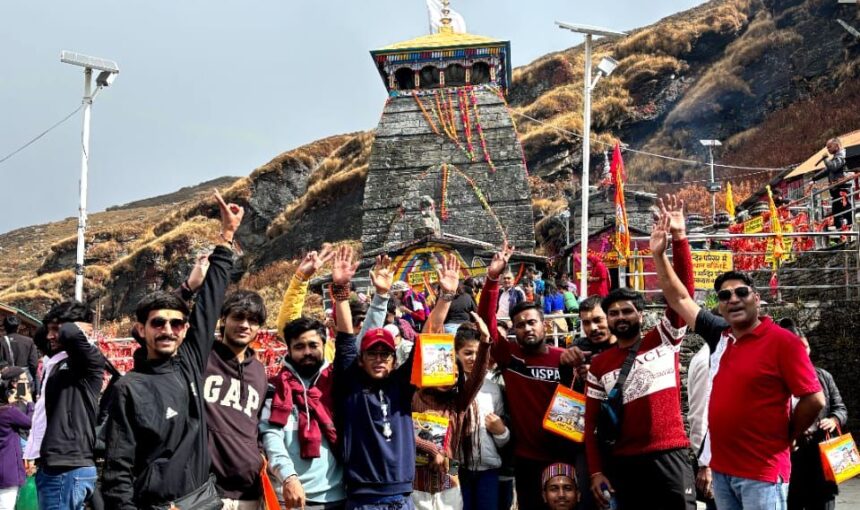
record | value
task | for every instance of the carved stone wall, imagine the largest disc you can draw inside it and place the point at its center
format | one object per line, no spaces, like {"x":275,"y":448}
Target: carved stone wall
{"x":406,"y":162}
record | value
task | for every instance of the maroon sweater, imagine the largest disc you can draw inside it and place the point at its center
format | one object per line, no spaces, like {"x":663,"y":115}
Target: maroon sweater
{"x":530,"y":381}
{"x":652,"y":419}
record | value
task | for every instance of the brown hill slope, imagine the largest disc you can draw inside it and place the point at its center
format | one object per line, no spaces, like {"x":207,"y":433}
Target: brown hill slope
{"x":762,"y":75}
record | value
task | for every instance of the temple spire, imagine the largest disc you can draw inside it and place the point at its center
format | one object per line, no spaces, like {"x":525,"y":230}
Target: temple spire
{"x":446,"y":18}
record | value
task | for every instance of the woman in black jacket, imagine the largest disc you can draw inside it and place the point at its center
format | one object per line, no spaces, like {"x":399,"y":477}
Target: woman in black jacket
{"x":808,"y":490}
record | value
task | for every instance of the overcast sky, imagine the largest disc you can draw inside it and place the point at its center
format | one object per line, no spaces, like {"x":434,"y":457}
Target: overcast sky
{"x":212,"y":88}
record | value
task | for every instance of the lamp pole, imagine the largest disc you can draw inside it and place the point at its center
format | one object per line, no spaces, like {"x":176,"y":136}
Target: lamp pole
{"x":713,"y":186}
{"x":586,"y":161}
{"x":85,"y":166}
{"x":713,"y":193}
{"x":588,"y":85}
{"x":108,"y":71}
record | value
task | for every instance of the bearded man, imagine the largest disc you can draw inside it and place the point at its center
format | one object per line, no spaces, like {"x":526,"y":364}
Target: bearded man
{"x":649,"y":456}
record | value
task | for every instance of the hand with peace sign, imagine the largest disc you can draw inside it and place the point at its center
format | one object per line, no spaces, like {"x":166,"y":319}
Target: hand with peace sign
{"x":314,"y":260}
{"x":500,"y":261}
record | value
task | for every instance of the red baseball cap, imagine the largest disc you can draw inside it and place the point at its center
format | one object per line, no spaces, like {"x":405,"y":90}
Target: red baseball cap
{"x":377,"y":336}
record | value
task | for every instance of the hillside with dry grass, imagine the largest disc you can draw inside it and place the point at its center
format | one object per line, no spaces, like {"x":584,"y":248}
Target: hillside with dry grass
{"x":771,"y":79}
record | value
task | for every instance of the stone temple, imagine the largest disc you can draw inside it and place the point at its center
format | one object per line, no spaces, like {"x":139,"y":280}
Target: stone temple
{"x":446,"y":133}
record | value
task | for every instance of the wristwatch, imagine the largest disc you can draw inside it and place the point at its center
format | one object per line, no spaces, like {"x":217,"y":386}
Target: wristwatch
{"x":446,"y":296}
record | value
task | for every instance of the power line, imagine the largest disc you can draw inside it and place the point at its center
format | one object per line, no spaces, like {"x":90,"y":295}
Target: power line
{"x":40,"y":135}
{"x":655,"y":155}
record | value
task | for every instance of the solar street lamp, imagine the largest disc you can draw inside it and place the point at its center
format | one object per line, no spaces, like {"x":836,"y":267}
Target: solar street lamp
{"x":108,"y":71}
{"x":604,"y":68}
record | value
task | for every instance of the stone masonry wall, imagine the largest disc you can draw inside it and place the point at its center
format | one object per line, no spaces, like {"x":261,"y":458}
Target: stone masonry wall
{"x":406,"y":161}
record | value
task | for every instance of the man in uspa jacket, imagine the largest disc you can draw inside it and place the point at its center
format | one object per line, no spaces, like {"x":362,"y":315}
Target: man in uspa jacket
{"x":234,"y":391}
{"x":531,"y":373}
{"x":66,"y":474}
{"x":157,"y":453}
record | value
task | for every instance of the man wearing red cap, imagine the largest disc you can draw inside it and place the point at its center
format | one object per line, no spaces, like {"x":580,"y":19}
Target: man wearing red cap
{"x":374,"y":405}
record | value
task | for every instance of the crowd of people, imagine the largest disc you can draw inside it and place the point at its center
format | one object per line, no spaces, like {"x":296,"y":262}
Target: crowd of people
{"x":197,"y":424}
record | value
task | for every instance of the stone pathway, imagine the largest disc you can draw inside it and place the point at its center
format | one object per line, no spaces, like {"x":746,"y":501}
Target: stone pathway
{"x":849,"y":495}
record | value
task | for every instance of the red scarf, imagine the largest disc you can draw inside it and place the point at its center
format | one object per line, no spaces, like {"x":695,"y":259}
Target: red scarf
{"x":315,"y":413}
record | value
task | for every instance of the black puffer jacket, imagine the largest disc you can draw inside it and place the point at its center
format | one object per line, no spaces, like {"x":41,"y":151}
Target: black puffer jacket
{"x":72,"y":402}
{"x":157,"y":447}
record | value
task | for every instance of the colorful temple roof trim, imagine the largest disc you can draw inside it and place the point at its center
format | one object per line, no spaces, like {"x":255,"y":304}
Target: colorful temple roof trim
{"x":441,"y":40}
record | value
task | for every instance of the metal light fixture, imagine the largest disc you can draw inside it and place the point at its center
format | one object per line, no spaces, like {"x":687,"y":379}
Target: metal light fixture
{"x":606,"y":66}
{"x":713,"y":186}
{"x":109,"y":70}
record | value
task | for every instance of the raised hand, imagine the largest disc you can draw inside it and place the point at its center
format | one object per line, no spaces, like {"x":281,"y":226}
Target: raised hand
{"x":198,"y":272}
{"x":314,"y":260}
{"x":381,"y":274}
{"x":673,"y":208}
{"x":231,"y":217}
{"x":500,"y":261}
{"x":660,"y":233}
{"x":343,"y":268}
{"x":449,"y":274}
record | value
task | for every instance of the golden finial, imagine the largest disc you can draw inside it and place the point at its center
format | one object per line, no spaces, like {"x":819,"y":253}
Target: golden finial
{"x":446,"y":18}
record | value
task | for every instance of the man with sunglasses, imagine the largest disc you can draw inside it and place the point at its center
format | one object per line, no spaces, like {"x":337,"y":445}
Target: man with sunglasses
{"x":157,"y":441}
{"x":755,"y":369}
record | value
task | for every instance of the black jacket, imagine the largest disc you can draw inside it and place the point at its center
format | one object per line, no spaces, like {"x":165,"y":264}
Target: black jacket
{"x":834,"y":168}
{"x":72,"y":402}
{"x":156,"y":431}
{"x":234,"y":394}
{"x":20,"y":351}
{"x":833,"y":405}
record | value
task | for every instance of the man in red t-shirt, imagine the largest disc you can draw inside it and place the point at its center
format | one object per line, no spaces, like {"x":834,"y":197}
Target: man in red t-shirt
{"x":755,"y":369}
{"x":531,"y":372}
{"x":649,"y":461}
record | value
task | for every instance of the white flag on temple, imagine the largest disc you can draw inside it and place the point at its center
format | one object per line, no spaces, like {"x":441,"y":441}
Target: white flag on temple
{"x":434,"y":9}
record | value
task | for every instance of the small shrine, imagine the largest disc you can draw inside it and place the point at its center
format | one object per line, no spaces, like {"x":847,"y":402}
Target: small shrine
{"x":444,"y":59}
{"x":446,"y":145}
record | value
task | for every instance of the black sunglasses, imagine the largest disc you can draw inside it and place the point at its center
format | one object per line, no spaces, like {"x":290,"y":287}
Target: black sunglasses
{"x":380,"y":355}
{"x":159,"y":323}
{"x":741,"y":292}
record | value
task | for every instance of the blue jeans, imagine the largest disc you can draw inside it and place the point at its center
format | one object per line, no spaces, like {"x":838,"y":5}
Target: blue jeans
{"x":65,"y":489}
{"x":480,"y":489}
{"x":385,"y":503}
{"x":736,"y":493}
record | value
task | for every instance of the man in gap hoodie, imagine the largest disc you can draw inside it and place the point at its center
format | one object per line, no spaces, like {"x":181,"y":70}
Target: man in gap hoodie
{"x":234,"y":390}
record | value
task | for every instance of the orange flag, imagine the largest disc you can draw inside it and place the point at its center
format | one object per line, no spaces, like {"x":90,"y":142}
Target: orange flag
{"x":622,"y":229}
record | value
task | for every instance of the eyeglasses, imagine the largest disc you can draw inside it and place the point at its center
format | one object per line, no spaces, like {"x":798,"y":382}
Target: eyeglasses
{"x":380,"y":355}
{"x":159,"y":322}
{"x":741,"y":292}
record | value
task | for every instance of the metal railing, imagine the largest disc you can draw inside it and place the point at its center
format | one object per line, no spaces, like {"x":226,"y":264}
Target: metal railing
{"x":838,"y":267}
